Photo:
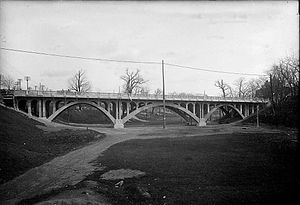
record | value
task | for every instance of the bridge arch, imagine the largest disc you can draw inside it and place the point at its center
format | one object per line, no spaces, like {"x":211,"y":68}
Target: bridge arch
{"x":207,"y":116}
{"x":60,"y":110}
{"x":59,"y":104}
{"x":171,"y":105}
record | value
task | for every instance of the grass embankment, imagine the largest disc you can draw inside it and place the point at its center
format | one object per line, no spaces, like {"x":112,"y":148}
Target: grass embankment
{"x":248,"y":168}
{"x":24,"y":146}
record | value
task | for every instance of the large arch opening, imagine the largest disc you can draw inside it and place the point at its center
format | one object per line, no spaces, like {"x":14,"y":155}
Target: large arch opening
{"x":223,"y":114}
{"x":82,"y":113}
{"x":175,"y":115}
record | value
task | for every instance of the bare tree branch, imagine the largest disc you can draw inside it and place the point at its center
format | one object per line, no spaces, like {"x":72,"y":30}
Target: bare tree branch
{"x":224,"y":88}
{"x":132,"y":81}
{"x":79,"y":82}
{"x":7,"y":82}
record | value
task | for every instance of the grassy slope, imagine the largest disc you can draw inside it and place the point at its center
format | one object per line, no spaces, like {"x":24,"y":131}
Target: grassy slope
{"x":24,"y":146}
{"x":220,"y":169}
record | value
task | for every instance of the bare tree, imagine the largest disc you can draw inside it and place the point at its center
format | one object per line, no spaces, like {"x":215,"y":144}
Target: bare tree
{"x":79,"y":82}
{"x":225,"y":88}
{"x":7,"y":82}
{"x":158,"y":92}
{"x":283,"y":81}
{"x":132,"y":81}
{"x":287,"y":71}
{"x":240,"y":87}
{"x":253,"y":86}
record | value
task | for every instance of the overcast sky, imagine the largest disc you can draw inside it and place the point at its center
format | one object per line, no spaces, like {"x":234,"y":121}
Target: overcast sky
{"x":245,"y":37}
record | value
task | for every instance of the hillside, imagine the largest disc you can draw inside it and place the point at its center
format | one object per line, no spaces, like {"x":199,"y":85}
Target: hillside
{"x":286,"y":116}
{"x":24,"y":146}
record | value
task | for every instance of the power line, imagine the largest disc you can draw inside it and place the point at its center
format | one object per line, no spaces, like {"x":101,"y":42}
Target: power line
{"x":128,"y":61}
{"x":214,"y":71}
{"x":79,"y":57}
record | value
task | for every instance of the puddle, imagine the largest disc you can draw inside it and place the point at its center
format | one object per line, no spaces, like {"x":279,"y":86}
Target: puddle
{"x":122,"y":174}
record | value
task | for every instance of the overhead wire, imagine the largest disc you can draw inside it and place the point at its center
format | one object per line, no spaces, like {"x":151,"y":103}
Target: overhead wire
{"x":78,"y":57}
{"x":129,"y":61}
{"x":214,"y":71}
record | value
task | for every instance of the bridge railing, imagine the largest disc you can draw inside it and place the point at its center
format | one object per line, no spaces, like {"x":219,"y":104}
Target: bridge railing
{"x":65,"y":93}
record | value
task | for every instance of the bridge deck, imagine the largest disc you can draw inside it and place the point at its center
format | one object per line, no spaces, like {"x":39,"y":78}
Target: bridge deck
{"x":98,"y":95}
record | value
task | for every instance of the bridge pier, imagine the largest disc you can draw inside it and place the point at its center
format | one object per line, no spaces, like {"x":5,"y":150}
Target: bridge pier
{"x":118,"y":124}
{"x":202,"y":122}
{"x":29,"y":107}
{"x":44,"y":109}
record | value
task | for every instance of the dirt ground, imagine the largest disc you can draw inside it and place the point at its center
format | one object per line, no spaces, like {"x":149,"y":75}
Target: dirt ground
{"x":70,"y":169}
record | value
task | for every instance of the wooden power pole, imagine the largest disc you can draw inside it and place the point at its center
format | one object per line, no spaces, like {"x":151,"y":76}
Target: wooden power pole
{"x":164,"y":100}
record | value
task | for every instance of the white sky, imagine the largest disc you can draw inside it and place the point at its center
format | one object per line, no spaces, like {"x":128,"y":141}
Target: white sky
{"x":243,"y":37}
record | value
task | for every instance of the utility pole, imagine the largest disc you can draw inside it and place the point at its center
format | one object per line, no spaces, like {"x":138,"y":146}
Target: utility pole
{"x":164,"y":100}
{"x":257,"y":115}
{"x":0,"y":81}
{"x":27,"y":78}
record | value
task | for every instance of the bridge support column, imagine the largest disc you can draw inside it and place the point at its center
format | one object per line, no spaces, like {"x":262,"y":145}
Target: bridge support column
{"x":29,"y":107}
{"x":117,"y":110}
{"x":120,"y":109}
{"x":127,"y":108}
{"x":194,"y":108}
{"x":119,"y":124}
{"x":16,"y":104}
{"x":208,"y":107}
{"x":40,"y":108}
{"x":200,"y":114}
{"x":44,"y":109}
{"x":202,"y":122}
{"x":108,"y":107}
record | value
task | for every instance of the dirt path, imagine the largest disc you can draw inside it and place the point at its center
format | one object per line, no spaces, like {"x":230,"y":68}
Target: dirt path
{"x":76,"y":165}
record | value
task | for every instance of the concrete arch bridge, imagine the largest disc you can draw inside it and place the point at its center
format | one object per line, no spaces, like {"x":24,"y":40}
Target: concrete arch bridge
{"x":120,"y":108}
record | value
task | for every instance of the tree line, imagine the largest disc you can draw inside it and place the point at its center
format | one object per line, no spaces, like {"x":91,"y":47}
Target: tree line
{"x":280,"y":86}
{"x":280,"y":82}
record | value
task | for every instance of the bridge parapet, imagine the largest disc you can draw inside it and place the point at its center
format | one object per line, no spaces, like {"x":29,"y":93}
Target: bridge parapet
{"x":95,"y":95}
